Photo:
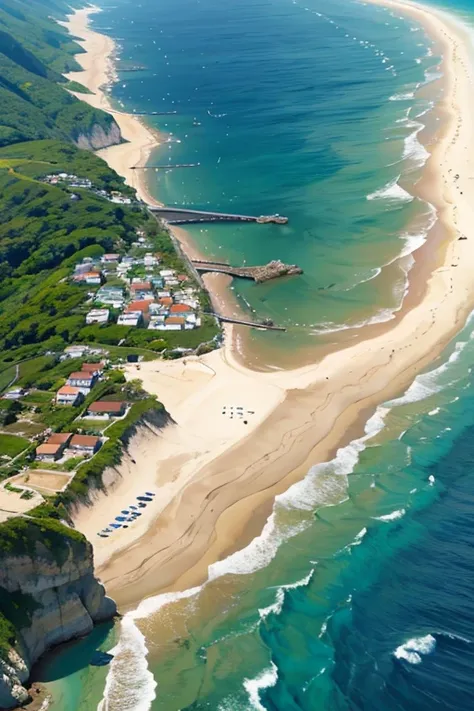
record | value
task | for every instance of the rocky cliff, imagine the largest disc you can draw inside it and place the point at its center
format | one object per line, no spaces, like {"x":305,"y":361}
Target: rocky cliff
{"x":48,"y":595}
{"x":99,"y":137}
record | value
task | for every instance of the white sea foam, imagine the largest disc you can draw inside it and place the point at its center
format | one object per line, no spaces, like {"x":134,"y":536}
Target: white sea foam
{"x":130,"y":659}
{"x":359,"y":538}
{"x":432,"y":76}
{"x":328,"y":481}
{"x":276,"y":607}
{"x":253,"y":687}
{"x":413,"y":150}
{"x":259,"y":553}
{"x":129,"y":662}
{"x":391,"y":191}
{"x":405,"y":96}
{"x":413,"y":650}
{"x":428,"y":384}
{"x":391,"y":516}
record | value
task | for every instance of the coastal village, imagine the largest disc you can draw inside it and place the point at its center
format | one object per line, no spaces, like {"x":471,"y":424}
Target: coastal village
{"x":136,"y":291}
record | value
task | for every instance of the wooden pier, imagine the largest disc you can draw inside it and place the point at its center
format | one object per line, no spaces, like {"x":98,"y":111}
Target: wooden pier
{"x":180,"y":215}
{"x":165,"y":166}
{"x":263,"y":325}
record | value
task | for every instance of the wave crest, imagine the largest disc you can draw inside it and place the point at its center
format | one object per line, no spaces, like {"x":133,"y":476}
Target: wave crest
{"x":413,"y":650}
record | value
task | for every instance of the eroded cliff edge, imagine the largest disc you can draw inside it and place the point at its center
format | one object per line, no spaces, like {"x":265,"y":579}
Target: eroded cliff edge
{"x":48,"y":595}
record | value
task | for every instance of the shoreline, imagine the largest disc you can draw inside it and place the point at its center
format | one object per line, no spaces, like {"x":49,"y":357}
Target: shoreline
{"x":226,"y":488}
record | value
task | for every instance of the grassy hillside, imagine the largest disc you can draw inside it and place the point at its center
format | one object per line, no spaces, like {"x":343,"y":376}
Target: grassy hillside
{"x":35,"y":51}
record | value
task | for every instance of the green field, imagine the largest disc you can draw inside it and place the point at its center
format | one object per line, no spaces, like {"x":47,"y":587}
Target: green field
{"x":6,"y":377}
{"x":10,"y":445}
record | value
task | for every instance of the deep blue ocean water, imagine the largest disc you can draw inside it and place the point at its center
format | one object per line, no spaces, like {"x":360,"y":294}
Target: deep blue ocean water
{"x":357,"y":595}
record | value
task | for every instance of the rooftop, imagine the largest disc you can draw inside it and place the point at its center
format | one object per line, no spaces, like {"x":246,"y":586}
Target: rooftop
{"x":180,"y":309}
{"x":142,"y":306}
{"x":59,"y":438}
{"x":92,"y":367}
{"x":48,"y":449}
{"x":81,"y":375}
{"x":68,"y":390}
{"x":84,"y":440}
{"x":141,"y":286}
{"x":104,"y":406}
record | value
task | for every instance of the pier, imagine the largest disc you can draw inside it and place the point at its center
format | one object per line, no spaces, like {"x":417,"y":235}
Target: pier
{"x":166,"y":166}
{"x":262,"y":325}
{"x":180,"y":216}
{"x":142,"y":113}
{"x":259,"y":274}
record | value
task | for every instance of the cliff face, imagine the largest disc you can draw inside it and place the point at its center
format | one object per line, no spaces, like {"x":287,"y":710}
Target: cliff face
{"x":99,"y":137}
{"x":55,"y":599}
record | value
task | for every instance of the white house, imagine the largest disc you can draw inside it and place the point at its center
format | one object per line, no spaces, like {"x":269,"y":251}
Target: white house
{"x":82,"y":380}
{"x":97,"y":316}
{"x":68,"y":395}
{"x":167,"y":273}
{"x":75,"y":351}
{"x":132,"y":318}
{"x":157,"y":323}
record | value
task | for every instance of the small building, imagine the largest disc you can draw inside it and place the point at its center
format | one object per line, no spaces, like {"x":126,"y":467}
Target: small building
{"x":75,"y":351}
{"x":68,"y":395}
{"x":192,"y":321}
{"x":174,"y":323}
{"x":84,"y":444}
{"x":48,"y":452}
{"x":14,"y":394}
{"x":141,"y":306}
{"x":141,"y":290}
{"x":59,"y":438}
{"x":103,"y":408}
{"x":180,"y":310}
{"x":90,"y":278}
{"x":156,"y":323}
{"x":166,"y":301}
{"x":108,"y":258}
{"x":94,"y":368}
{"x":82,"y":380}
{"x":131,"y":318}
{"x":97,"y":316}
{"x":167,"y":273}
{"x":149,"y":260}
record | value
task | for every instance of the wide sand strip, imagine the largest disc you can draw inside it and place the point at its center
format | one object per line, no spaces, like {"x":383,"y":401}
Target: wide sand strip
{"x":98,"y":72}
{"x":216,"y":477}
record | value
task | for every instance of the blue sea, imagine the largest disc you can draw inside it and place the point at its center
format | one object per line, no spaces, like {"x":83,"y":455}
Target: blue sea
{"x":357,"y":594}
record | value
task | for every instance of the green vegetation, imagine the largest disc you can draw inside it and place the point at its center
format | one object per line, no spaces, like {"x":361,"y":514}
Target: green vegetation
{"x":47,"y":227}
{"x":90,"y":473}
{"x":10,"y":445}
{"x":76,"y":87}
{"x":29,"y":537}
{"x":6,"y":377}
{"x":23,"y":536}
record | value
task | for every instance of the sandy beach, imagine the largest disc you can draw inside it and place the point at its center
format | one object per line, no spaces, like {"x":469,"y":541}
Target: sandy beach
{"x":215,"y":477}
{"x":98,"y":72}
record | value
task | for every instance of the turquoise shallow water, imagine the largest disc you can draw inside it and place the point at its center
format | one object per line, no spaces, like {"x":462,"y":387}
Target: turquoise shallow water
{"x":357,"y":593}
